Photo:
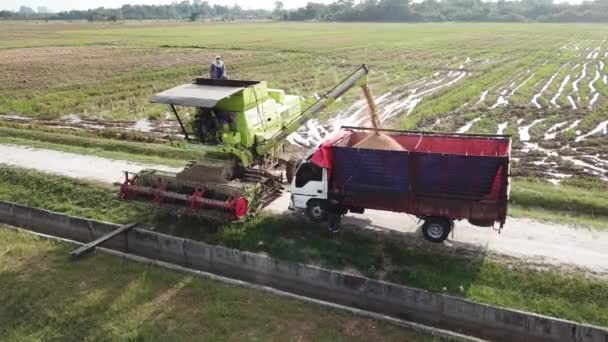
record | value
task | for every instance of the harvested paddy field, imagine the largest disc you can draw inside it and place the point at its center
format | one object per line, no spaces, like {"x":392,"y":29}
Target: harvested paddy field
{"x":544,"y":84}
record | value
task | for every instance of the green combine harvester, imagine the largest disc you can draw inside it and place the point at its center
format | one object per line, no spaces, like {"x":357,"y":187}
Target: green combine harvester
{"x":240,"y":128}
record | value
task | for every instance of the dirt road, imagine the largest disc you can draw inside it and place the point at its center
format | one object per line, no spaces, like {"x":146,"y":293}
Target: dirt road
{"x":72,"y":164}
{"x":526,"y":239}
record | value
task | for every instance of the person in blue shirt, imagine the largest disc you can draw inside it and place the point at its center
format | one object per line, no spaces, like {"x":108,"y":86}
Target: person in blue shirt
{"x":217,"y":69}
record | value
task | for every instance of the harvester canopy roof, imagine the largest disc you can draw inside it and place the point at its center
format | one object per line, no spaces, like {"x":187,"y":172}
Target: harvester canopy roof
{"x":195,"y":95}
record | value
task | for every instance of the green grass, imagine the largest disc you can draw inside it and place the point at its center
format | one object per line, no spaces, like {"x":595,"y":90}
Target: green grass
{"x":429,"y":267}
{"x":582,"y":197}
{"x":109,"y":148}
{"x":45,"y":296}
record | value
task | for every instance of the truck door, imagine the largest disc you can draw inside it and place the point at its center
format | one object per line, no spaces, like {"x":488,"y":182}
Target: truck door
{"x":310,"y":182}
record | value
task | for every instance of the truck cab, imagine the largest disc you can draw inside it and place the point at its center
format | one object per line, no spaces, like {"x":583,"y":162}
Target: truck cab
{"x":309,"y":191}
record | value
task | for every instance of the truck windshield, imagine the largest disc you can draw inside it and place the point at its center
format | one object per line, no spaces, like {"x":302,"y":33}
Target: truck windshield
{"x":308,"y":172}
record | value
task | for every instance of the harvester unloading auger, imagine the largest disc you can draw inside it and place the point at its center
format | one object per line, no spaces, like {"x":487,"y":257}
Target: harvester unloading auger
{"x":240,"y":127}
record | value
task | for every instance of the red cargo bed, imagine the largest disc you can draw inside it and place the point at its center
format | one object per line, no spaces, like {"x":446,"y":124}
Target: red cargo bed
{"x":453,"y":176}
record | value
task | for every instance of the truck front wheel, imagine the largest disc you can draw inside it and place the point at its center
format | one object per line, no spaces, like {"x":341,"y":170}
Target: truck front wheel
{"x":316,"y":210}
{"x":436,"y":229}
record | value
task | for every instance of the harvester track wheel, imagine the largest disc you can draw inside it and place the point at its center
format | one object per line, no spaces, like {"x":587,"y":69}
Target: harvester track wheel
{"x":436,"y":229}
{"x":316,"y":210}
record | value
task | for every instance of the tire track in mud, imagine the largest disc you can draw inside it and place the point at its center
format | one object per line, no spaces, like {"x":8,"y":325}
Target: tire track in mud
{"x":534,"y":100}
{"x":156,"y":128}
{"x":552,"y":132}
{"x":468,"y":125}
{"x":583,"y":162}
{"x":501,"y":127}
{"x":601,"y":127}
{"x":575,"y":88}
{"x":559,"y":91}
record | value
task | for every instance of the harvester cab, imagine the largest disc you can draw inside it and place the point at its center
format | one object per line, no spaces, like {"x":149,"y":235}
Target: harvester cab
{"x":240,"y":129}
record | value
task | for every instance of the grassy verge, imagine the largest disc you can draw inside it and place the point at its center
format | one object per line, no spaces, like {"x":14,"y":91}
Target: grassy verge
{"x":431,"y":267}
{"x":578,"y":201}
{"x":45,"y":296}
{"x":568,"y":218}
{"x":109,"y":148}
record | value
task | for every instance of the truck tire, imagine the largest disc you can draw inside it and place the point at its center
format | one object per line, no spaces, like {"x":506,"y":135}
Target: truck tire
{"x":316,"y":210}
{"x":436,"y":229}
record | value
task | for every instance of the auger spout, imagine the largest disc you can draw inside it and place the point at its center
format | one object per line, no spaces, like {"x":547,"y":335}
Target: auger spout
{"x":358,"y":77}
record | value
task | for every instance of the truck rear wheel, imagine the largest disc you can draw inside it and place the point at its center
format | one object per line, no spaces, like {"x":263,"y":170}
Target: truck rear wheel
{"x":316,"y":210}
{"x":436,"y":229}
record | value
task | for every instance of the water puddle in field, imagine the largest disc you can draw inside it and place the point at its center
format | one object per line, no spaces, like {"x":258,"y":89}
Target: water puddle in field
{"x":501,"y":101}
{"x":593,"y":169}
{"x":594,"y":53}
{"x":468,"y":125}
{"x":501,"y":127}
{"x":559,"y":91}
{"x":143,"y":125}
{"x":572,"y":126}
{"x":598,"y":160}
{"x":602,"y":127}
{"x":71,"y":164}
{"x":572,"y":102}
{"x":159,"y":129}
{"x":592,"y":82}
{"x":582,"y":76}
{"x":514,"y":90}
{"x":553,"y":130}
{"x":534,"y":100}
{"x":482,"y":97}
{"x":528,"y":146}
{"x":15,"y":117}
{"x":524,"y":132}
{"x":593,"y":100}
{"x":71,"y":118}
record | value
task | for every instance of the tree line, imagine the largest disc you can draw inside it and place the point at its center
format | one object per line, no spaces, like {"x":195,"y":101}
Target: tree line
{"x":347,"y":10}
{"x":184,"y":10}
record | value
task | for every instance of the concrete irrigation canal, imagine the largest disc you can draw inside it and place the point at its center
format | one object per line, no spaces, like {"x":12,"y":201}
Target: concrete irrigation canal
{"x":442,"y":311}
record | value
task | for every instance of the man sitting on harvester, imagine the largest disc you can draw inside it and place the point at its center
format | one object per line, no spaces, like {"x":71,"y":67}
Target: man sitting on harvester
{"x":217,"y":69}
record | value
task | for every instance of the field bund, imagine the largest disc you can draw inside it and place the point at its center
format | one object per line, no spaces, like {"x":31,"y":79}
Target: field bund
{"x":408,"y":303}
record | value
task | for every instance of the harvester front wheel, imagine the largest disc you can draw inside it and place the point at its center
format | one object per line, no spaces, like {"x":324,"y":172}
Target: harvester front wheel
{"x":316,"y":210}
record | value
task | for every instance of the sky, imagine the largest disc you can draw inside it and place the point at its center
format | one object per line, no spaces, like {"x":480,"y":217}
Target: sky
{"x":62,"y":5}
